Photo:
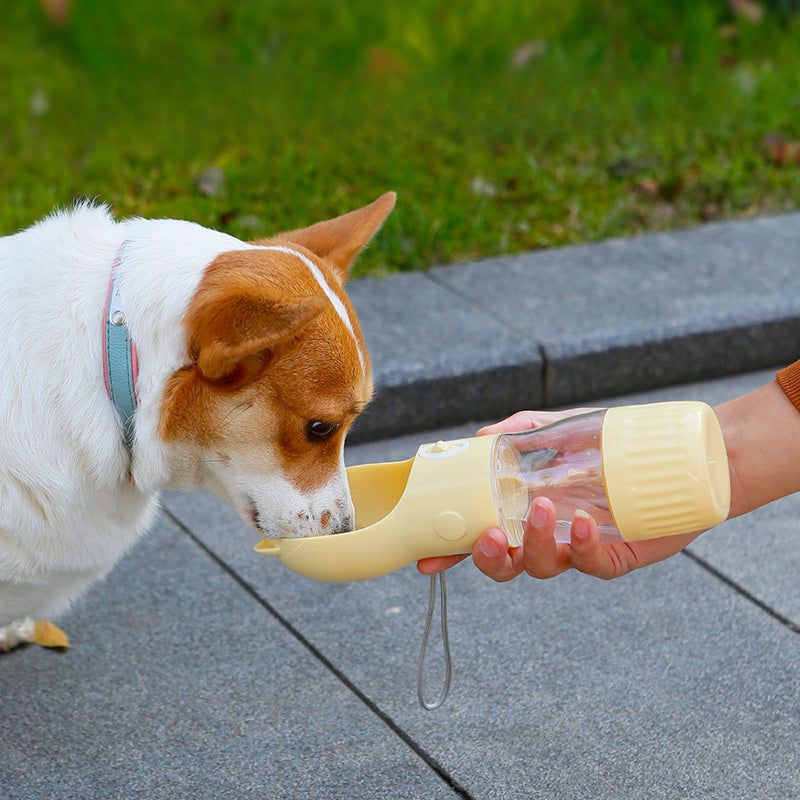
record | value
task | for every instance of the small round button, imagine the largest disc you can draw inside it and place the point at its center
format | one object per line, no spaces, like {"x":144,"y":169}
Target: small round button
{"x":442,"y":449}
{"x":449,"y":525}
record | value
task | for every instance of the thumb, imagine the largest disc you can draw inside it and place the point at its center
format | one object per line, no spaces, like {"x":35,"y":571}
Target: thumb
{"x":521,"y":421}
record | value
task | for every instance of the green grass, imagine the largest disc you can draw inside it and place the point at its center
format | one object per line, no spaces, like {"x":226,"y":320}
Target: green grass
{"x":625,"y":117}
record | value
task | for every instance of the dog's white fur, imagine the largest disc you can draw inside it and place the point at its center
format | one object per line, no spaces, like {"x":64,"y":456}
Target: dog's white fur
{"x":68,"y":508}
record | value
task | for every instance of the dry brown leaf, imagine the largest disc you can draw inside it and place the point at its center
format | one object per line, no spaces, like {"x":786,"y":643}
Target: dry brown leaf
{"x":46,"y":634}
{"x":779,"y":151}
{"x":649,"y":188}
{"x":385,"y":62}
{"x":57,"y":11}
{"x":530,"y":50}
{"x":750,"y":10}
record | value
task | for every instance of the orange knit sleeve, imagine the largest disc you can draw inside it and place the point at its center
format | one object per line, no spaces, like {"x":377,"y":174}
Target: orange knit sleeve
{"x":789,"y":380}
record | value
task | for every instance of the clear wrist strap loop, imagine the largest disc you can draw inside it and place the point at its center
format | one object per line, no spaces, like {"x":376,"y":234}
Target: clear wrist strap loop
{"x":448,"y":664}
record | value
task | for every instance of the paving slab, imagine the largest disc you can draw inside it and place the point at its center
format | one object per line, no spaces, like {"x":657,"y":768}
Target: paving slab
{"x":200,"y":669}
{"x":179,"y":685}
{"x":434,"y":355}
{"x":672,"y":682}
{"x":597,"y":320}
{"x":759,"y":552}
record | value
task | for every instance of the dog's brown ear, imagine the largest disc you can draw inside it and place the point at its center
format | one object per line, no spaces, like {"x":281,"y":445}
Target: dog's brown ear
{"x":341,"y":239}
{"x":233,"y":338}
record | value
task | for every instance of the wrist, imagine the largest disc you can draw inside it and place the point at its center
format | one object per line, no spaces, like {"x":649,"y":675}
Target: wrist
{"x":762,"y":439}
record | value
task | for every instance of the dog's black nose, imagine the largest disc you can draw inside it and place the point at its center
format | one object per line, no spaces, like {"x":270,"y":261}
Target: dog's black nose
{"x":345,"y":525}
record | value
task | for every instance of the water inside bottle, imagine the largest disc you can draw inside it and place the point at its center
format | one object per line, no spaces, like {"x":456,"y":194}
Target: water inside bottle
{"x":563,"y":462}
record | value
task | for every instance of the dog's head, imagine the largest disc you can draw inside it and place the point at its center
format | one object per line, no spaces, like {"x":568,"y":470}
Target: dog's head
{"x":277,"y":373}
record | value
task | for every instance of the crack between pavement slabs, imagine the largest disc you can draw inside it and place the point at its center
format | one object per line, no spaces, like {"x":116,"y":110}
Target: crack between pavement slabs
{"x":426,"y":757}
{"x":384,"y":717}
{"x":740,"y":590}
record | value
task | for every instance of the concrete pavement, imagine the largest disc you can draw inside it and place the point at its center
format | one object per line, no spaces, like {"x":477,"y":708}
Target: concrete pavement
{"x":202,"y":670}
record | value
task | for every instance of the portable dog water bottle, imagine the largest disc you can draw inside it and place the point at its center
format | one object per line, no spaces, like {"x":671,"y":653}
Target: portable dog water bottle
{"x":640,"y":471}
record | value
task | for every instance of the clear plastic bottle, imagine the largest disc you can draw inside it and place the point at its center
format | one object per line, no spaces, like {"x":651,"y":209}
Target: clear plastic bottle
{"x":640,"y":471}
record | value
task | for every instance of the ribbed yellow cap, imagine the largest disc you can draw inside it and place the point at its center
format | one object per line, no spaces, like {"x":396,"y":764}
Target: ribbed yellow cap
{"x":665,"y":468}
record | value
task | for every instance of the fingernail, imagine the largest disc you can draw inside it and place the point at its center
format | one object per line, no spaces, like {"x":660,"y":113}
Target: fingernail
{"x":580,"y":524}
{"x":541,"y":515}
{"x":491,"y":547}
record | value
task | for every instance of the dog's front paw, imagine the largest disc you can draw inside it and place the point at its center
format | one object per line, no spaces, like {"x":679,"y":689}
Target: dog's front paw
{"x":25,"y":631}
{"x":16,"y":633}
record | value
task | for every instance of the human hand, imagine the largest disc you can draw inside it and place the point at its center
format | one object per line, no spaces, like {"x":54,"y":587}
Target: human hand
{"x":541,"y":556}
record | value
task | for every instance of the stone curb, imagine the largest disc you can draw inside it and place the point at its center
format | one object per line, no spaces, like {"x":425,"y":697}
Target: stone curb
{"x":557,"y":327}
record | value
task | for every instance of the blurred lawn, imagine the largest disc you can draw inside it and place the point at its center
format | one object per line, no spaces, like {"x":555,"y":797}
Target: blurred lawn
{"x":504,"y":126}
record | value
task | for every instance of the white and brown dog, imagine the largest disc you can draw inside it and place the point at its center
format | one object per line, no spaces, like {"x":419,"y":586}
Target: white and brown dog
{"x":145,"y":355}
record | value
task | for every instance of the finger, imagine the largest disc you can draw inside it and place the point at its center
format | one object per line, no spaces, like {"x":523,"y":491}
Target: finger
{"x":544,"y":557}
{"x":521,"y":421}
{"x":589,"y":555}
{"x":430,"y":566}
{"x":494,"y":558}
{"x":527,"y":420}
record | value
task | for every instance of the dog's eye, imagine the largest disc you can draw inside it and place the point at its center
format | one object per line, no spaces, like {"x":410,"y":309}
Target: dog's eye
{"x":317,"y":430}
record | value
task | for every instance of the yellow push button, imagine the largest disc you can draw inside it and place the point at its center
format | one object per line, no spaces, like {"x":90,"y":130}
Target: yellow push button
{"x":449,"y":525}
